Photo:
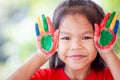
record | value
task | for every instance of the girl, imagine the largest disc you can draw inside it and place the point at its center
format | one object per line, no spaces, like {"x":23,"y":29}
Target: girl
{"x":77,"y":53}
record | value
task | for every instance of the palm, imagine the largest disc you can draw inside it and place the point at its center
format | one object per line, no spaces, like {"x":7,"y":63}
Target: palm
{"x":46,"y":42}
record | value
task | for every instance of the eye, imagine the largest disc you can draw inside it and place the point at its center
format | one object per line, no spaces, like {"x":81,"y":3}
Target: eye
{"x":65,"y":38}
{"x":86,"y":37}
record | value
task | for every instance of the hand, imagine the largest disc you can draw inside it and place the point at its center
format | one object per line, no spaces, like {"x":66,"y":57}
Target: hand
{"x":105,"y":33}
{"x":46,"y":38}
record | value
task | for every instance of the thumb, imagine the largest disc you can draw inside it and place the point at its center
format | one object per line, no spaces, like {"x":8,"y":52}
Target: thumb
{"x":55,"y":41}
{"x":97,"y":31}
{"x":97,"y":35}
{"x":55,"y":38}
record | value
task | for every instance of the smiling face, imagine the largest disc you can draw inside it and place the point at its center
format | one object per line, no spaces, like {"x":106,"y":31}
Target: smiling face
{"x":76,"y":42}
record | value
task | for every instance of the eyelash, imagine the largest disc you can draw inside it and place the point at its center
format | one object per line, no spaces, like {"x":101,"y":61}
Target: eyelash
{"x":65,"y":38}
{"x":83,"y":38}
{"x":86,"y":37}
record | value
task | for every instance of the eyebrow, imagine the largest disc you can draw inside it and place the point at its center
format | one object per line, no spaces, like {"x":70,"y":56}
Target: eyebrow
{"x":86,"y":32}
{"x":62,"y":32}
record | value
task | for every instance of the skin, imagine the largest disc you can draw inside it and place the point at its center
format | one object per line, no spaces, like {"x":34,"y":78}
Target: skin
{"x":76,"y":33}
{"x":74,"y":50}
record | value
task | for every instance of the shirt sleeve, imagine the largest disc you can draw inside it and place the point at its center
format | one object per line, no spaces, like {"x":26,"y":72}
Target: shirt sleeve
{"x":42,"y":74}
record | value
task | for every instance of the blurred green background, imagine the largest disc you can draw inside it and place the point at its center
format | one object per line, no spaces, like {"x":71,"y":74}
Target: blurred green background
{"x":17,"y":35}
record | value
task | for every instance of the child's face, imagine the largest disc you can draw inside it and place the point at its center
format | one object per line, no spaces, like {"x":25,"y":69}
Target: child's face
{"x":76,"y":42}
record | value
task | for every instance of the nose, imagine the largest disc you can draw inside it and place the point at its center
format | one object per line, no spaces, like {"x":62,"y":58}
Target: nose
{"x":76,"y":44}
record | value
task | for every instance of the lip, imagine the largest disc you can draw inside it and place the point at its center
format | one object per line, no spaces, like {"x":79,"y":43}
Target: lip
{"x":77,"y":57}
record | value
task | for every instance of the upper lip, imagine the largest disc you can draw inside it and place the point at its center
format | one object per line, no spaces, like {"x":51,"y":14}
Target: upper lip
{"x":77,"y":53}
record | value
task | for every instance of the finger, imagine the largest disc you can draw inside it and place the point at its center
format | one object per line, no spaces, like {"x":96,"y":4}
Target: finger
{"x":104,"y":20}
{"x":51,"y":30}
{"x":56,"y":36}
{"x":40,"y":25}
{"x":45,"y":25}
{"x":113,"y":22}
{"x":110,"y":20}
{"x":116,"y":27}
{"x":37,"y":29}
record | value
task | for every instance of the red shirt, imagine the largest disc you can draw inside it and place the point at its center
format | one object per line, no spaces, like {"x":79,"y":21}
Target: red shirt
{"x":59,"y":74}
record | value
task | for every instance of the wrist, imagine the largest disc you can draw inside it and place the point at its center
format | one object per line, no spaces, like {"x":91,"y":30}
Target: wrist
{"x":105,"y":51}
{"x":41,"y":54}
{"x":107,"y":55}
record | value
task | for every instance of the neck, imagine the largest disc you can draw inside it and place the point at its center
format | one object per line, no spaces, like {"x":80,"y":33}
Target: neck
{"x":77,"y":74}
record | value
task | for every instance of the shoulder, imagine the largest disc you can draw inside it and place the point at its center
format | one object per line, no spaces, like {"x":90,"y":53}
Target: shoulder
{"x":104,"y":74}
{"x":49,"y":74}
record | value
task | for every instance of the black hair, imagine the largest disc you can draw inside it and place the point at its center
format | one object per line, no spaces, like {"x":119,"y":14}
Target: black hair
{"x":93,"y":12}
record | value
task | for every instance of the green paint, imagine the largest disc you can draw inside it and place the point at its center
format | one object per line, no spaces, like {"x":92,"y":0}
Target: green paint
{"x":110,"y":20}
{"x":46,"y":42}
{"x":45,"y":25}
{"x":105,"y":38}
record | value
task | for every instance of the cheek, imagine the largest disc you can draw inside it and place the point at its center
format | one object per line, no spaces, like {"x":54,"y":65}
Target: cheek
{"x":90,"y":45}
{"x":92,"y":57}
{"x":92,"y":54}
{"x":61,"y":54}
{"x":62,"y":46}
{"x":62,"y":50}
{"x":91,"y":50}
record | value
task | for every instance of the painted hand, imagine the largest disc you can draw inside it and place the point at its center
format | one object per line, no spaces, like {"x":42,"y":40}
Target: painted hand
{"x":105,"y":33}
{"x":46,"y":37}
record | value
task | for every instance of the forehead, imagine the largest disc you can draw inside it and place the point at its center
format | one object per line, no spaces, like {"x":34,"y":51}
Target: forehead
{"x":75,"y":23}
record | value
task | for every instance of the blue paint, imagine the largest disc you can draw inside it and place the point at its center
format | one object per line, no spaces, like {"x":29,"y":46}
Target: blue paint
{"x":116,"y":27}
{"x":37,"y":29}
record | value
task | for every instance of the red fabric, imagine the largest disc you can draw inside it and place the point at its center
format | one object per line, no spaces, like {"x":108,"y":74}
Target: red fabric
{"x":58,"y":74}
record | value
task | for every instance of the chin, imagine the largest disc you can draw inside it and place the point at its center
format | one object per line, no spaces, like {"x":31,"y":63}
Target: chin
{"x":78,"y":66}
